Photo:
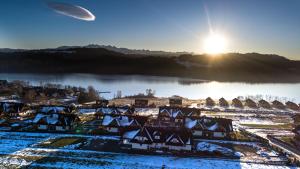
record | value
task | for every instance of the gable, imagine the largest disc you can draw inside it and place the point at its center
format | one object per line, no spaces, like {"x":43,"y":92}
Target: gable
{"x":164,"y":112}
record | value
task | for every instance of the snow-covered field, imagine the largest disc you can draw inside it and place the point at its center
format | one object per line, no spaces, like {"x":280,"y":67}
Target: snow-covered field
{"x":20,"y":150}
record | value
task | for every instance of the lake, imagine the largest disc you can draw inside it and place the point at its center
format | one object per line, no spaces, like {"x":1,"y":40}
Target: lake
{"x":166,"y":86}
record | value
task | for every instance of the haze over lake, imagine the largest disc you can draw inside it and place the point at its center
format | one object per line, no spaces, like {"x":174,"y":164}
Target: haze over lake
{"x":165,"y":86}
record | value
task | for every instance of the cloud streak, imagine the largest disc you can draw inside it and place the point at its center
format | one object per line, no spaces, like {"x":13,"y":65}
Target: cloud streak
{"x":73,"y":11}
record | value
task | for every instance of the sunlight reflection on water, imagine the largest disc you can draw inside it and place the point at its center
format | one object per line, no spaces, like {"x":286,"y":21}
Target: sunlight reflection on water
{"x":165,"y":86}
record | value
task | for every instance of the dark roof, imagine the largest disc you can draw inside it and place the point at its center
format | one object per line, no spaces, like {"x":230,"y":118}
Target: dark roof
{"x":170,"y":136}
{"x":264,"y":104}
{"x":178,"y":112}
{"x":55,"y":119}
{"x":223,"y":102}
{"x":237,"y":103}
{"x":210,"y":124}
{"x":250,"y":103}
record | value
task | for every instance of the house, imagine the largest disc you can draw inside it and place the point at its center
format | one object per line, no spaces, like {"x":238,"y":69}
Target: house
{"x":157,"y":138}
{"x":59,"y":122}
{"x":207,"y":127}
{"x":175,"y":101}
{"x":264,"y":104}
{"x":175,"y":116}
{"x":223,"y":102}
{"x":292,"y":105}
{"x":170,"y":116}
{"x":250,"y":103}
{"x":53,"y":109}
{"x":278,"y":105}
{"x":102,"y":102}
{"x":237,"y":103}
{"x":11,"y":108}
{"x":210,"y":102}
{"x":113,"y":111}
{"x":114,"y":124}
{"x":178,"y":141}
{"x":140,"y":103}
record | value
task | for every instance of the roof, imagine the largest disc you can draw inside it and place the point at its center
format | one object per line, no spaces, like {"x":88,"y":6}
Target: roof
{"x":55,"y":119}
{"x":209,"y":124}
{"x":179,"y":111}
{"x":114,"y":110}
{"x":130,"y":134}
{"x":119,"y":121}
{"x":164,"y":135}
{"x":55,"y":109}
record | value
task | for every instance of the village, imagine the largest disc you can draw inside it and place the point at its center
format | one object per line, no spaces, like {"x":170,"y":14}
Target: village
{"x":248,"y":131}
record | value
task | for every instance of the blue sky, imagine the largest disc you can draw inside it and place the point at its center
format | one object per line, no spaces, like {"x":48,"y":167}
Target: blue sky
{"x":264,"y":26}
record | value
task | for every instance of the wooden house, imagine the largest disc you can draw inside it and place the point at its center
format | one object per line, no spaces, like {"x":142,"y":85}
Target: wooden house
{"x":157,"y":138}
{"x":209,"y":128}
{"x":175,"y":102}
{"x":11,"y":108}
{"x":223,"y":102}
{"x":264,"y":104}
{"x":210,"y":102}
{"x":59,"y":122}
{"x":175,"y":116}
{"x":292,"y":105}
{"x":113,"y":111}
{"x":278,"y":105}
{"x":115,"y":124}
{"x":250,"y":103}
{"x":102,"y":102}
{"x":53,"y":109}
{"x":141,"y":103}
{"x":237,"y":103}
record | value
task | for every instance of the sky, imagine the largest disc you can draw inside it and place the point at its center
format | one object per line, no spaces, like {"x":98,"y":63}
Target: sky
{"x":263,"y":26}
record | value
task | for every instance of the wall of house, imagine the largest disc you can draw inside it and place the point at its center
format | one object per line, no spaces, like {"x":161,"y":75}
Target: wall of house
{"x":60,"y":128}
{"x":178,"y":148}
{"x":219,"y":134}
{"x":157,"y":145}
{"x":112,"y":129}
{"x":42,"y":127}
{"x":197,"y":133}
{"x":139,"y":146}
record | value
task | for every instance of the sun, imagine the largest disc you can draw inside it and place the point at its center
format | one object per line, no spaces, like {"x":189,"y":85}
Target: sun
{"x":215,"y":44}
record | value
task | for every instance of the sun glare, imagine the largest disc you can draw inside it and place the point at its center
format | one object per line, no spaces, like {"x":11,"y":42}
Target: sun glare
{"x":215,"y":44}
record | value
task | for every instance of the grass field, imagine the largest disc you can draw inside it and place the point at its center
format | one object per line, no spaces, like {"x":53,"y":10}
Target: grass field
{"x":286,"y":126}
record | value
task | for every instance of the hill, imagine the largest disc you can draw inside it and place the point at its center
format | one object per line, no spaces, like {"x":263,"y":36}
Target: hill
{"x":250,"y":67}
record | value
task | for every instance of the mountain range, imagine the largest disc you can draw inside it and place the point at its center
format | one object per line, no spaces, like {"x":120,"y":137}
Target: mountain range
{"x":94,"y":59}
{"x":141,"y":52}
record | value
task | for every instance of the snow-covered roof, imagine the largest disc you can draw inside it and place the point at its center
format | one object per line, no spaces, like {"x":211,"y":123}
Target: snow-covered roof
{"x":189,"y":123}
{"x":213,"y":127}
{"x":56,"y":109}
{"x":38,"y":117}
{"x":130,"y":134}
{"x":107,"y":120}
{"x":86,"y":111}
{"x":53,"y":119}
{"x":174,"y":137}
{"x":106,"y":110}
{"x":124,"y":121}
